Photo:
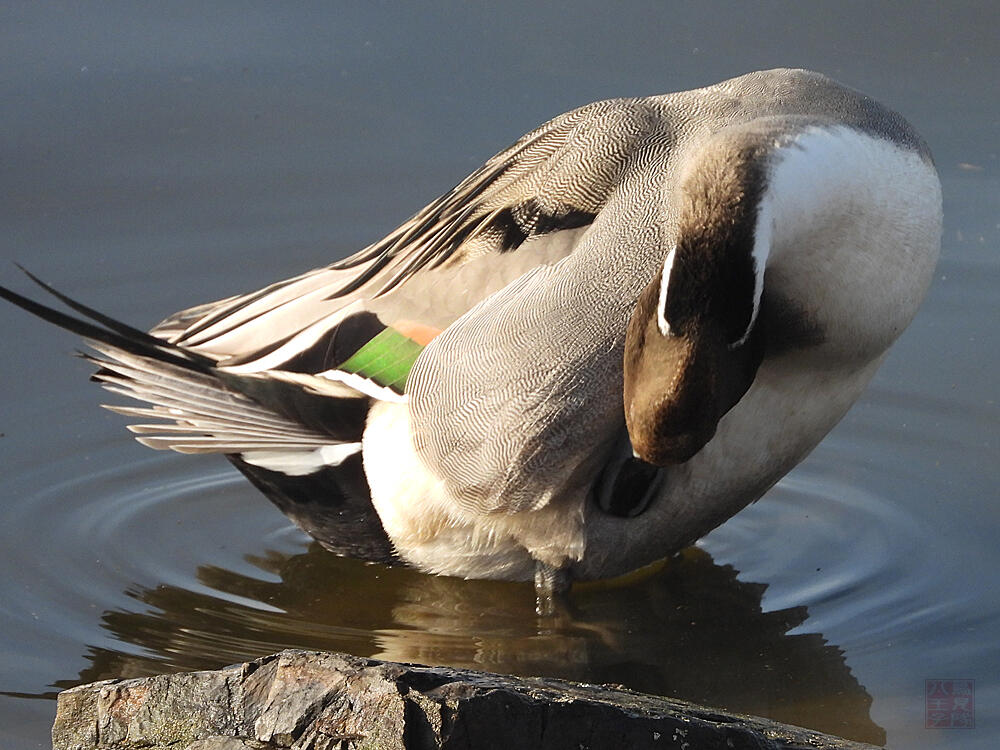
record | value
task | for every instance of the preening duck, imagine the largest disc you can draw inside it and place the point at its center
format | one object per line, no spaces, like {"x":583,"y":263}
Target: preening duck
{"x":596,"y":348}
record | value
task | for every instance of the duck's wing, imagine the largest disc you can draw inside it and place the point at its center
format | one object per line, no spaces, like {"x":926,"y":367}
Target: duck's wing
{"x":294,"y":366}
{"x":524,"y":207}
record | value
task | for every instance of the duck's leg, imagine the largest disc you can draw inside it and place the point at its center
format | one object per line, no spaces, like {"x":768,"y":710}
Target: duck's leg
{"x":551,"y":584}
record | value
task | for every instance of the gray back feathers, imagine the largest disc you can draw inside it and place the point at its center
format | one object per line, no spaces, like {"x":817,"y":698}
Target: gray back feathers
{"x":531,"y":267}
{"x":522,"y":395}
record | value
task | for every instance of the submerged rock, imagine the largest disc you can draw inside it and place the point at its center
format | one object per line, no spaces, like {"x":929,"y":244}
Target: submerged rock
{"x":327,"y":701}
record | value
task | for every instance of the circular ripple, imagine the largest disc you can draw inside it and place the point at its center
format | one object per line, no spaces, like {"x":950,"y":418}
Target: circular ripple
{"x":155,"y":562}
{"x":864,"y":532}
{"x":83,"y":543}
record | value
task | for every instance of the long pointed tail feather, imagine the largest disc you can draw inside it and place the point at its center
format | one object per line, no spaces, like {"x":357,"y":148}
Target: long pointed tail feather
{"x":143,"y":344}
{"x":206,"y":408}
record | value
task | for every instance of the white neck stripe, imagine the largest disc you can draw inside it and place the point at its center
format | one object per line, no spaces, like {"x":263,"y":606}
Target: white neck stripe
{"x":661,"y":309}
{"x":761,"y":249}
{"x":811,"y":171}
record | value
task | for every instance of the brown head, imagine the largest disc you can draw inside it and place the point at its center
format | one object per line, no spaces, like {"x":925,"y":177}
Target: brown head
{"x":694,"y":343}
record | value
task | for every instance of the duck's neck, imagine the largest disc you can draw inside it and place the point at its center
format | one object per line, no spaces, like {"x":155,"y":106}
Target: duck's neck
{"x":852,"y":229}
{"x":715,"y":267}
{"x":826,"y":227}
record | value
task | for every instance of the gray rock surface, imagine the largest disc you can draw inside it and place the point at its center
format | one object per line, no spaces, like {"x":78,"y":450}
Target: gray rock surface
{"x":326,"y":701}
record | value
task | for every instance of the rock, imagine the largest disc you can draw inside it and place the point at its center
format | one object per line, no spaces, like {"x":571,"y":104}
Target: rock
{"x":325,"y":701}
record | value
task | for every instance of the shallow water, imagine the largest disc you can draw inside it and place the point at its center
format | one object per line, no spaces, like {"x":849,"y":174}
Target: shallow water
{"x":152,"y":162}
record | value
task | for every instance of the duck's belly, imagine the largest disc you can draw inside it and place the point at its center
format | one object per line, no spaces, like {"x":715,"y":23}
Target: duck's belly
{"x":430,"y":531}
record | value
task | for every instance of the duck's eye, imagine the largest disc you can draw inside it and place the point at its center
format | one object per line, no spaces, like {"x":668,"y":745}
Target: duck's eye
{"x":627,"y":485}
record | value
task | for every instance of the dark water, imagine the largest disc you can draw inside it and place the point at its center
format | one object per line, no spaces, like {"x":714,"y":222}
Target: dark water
{"x":152,"y":159}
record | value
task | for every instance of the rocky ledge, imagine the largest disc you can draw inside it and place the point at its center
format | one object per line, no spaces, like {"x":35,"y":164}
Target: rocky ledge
{"x":325,"y":701}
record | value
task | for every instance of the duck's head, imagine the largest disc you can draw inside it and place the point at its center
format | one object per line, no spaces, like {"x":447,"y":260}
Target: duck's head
{"x":695,"y":339}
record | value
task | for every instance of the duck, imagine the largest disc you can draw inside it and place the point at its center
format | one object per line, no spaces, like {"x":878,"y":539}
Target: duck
{"x":600,"y":345}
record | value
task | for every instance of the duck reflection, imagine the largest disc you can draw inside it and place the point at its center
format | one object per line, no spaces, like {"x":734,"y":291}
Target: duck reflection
{"x":686,"y":628}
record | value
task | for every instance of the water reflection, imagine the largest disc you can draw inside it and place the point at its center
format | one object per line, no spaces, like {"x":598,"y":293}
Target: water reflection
{"x":686,"y":628}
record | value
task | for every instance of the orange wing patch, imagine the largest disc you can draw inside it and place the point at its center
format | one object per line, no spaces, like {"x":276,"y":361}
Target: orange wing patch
{"x":422,"y":334}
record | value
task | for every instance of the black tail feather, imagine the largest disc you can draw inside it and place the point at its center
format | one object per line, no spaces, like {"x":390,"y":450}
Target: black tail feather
{"x":113,"y":333}
{"x":335,"y":418}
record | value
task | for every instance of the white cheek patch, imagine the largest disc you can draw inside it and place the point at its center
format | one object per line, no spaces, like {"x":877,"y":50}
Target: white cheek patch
{"x":661,"y":308}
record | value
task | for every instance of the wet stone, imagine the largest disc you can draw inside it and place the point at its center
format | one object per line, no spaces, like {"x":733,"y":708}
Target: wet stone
{"x":326,"y":701}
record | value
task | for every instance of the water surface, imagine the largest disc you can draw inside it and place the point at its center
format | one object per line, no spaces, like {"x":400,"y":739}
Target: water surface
{"x":156,"y":159}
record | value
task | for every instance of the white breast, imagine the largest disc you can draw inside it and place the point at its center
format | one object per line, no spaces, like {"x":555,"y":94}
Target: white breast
{"x":430,"y":531}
